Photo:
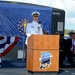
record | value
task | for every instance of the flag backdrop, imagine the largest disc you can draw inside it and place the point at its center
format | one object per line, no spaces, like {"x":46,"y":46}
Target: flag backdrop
{"x":11,"y":14}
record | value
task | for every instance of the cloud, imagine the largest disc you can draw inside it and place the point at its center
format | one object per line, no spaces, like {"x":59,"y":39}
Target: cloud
{"x":70,"y":23}
{"x":52,"y":3}
{"x":69,"y":7}
{"x":25,"y":1}
{"x":56,"y":4}
{"x":69,"y":4}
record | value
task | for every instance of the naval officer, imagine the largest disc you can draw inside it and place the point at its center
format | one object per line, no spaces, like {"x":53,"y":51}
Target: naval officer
{"x":34,"y":27}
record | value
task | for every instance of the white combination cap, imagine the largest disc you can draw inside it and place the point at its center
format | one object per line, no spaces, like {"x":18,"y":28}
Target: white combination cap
{"x":35,"y":13}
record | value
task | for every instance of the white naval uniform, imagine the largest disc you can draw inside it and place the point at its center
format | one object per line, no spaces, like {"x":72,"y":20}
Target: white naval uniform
{"x":32,"y":28}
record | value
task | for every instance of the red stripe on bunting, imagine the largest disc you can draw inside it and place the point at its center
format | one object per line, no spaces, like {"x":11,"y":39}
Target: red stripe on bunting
{"x":9,"y":47}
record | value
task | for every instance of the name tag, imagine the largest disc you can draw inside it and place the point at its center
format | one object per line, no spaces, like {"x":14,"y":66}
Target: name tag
{"x":32,"y":26}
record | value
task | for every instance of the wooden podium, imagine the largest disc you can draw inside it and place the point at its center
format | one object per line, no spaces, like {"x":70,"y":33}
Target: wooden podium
{"x":43,"y":53}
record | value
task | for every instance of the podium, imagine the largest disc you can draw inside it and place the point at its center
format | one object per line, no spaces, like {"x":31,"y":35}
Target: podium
{"x":43,"y":53}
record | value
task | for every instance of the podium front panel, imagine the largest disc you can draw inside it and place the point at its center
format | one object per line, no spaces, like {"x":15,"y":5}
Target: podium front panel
{"x":43,"y":60}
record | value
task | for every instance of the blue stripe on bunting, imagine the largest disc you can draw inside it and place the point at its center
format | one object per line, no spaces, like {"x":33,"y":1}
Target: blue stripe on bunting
{"x":2,"y":45}
{"x":8,"y":40}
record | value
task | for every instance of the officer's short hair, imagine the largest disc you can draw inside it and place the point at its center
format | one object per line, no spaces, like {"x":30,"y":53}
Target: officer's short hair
{"x":35,"y":13}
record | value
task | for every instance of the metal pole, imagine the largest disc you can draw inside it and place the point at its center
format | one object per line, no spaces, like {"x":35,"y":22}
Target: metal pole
{"x":23,"y":48}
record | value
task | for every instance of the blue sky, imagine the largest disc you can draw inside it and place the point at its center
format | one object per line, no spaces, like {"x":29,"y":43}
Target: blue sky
{"x":67,"y":5}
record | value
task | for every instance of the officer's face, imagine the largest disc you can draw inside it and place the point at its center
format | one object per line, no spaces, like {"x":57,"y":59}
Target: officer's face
{"x":35,"y":18}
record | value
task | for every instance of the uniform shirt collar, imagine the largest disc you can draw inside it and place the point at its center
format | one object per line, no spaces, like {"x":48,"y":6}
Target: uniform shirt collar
{"x":34,"y":22}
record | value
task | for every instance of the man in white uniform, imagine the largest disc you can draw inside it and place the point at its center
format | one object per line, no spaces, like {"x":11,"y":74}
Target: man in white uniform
{"x":34,"y":27}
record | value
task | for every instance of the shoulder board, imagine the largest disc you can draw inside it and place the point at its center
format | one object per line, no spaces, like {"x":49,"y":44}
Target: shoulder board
{"x":29,"y":22}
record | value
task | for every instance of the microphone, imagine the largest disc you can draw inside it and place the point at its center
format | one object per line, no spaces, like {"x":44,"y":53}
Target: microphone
{"x":39,"y":25}
{"x":39,"y":22}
